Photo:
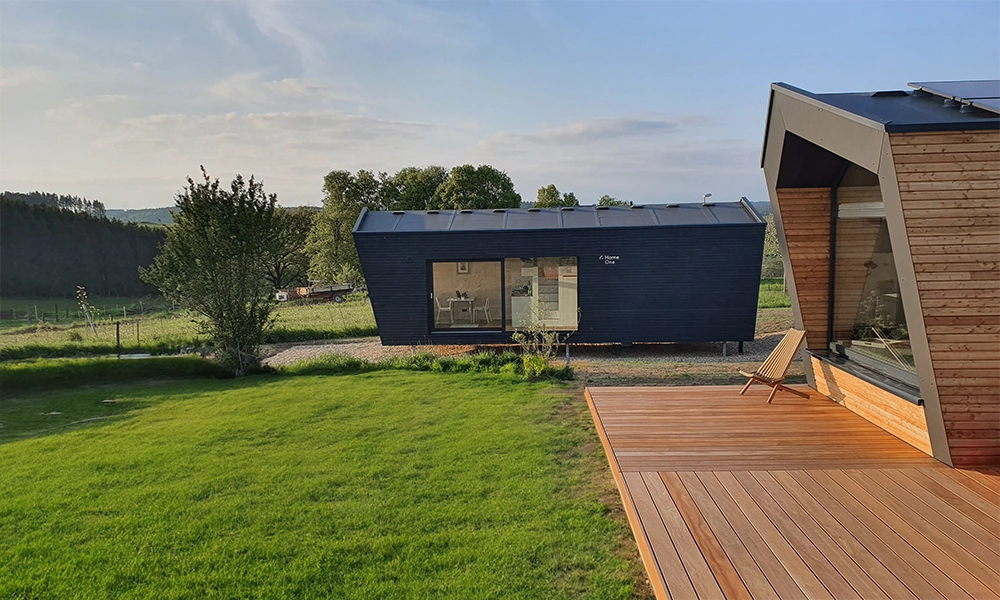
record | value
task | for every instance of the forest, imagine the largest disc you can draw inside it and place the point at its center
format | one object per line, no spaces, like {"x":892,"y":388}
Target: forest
{"x":50,"y":248}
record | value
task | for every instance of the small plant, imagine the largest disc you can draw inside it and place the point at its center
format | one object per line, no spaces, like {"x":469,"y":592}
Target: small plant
{"x":74,"y":336}
{"x":538,"y":344}
{"x":535,"y":366}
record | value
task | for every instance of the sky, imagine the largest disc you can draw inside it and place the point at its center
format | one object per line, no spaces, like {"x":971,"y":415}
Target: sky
{"x":647,"y":101}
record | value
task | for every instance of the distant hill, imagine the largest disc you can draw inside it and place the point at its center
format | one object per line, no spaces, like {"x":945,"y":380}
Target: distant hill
{"x":142,"y":215}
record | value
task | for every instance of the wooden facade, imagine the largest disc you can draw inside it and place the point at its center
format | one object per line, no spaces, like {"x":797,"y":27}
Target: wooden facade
{"x":939,"y":187}
{"x":949,"y":189}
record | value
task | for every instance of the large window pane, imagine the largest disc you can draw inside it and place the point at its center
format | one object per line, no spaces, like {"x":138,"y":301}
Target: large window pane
{"x":541,"y":290}
{"x":869,"y":325}
{"x":466,"y":295}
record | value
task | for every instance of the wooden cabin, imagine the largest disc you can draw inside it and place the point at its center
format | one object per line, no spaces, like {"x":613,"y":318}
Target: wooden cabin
{"x":887,"y":207}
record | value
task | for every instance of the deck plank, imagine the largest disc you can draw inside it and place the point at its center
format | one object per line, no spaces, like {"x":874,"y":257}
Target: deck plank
{"x":744,"y":564}
{"x":820,"y":538}
{"x":667,"y":560}
{"x":730,"y":497}
{"x":725,"y":573}
{"x":691,"y":555}
{"x":768,"y":563}
{"x":913,"y":530}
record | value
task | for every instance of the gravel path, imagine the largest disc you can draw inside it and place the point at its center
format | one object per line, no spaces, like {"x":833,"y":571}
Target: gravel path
{"x":586,"y":354}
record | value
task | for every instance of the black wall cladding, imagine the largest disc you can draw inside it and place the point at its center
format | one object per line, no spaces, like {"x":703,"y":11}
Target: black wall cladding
{"x":670,"y":283}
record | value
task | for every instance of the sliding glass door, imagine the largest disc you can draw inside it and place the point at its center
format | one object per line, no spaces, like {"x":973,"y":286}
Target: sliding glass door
{"x":541,"y":290}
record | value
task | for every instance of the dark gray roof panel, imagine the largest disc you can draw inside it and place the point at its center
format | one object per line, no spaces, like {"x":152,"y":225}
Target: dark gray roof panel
{"x":581,"y":217}
{"x":902,"y":111}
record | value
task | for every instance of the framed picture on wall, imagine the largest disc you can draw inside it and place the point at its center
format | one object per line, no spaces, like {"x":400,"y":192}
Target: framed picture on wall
{"x":463,"y":268}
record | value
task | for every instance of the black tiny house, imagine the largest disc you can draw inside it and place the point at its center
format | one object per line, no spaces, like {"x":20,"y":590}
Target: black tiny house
{"x":620,"y":274}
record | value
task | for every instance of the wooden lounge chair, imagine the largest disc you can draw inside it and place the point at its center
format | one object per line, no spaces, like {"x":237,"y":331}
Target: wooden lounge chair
{"x":773,"y":371}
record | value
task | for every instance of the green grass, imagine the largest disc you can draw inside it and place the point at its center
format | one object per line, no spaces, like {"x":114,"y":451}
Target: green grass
{"x":772,"y":294}
{"x":161,"y":332}
{"x":37,"y":375}
{"x":388,"y":484}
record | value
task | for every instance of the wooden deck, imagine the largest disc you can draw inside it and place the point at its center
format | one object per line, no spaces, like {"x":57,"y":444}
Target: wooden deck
{"x":729,"y":497}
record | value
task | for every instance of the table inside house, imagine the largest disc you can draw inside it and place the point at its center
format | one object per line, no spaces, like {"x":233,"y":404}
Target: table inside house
{"x":461,"y":308}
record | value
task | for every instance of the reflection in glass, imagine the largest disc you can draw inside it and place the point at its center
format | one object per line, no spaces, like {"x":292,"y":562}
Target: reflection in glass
{"x":869,"y":322}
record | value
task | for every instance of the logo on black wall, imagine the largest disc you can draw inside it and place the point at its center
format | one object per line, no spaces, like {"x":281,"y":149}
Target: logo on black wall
{"x":609,"y":259}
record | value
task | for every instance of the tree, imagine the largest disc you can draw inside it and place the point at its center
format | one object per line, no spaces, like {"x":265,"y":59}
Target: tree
{"x":549,"y":197}
{"x":476,"y":187}
{"x":290,"y":264}
{"x":607,"y":200}
{"x":330,"y":245}
{"x":412,"y":188}
{"x":215,"y":262}
{"x":773,"y":266}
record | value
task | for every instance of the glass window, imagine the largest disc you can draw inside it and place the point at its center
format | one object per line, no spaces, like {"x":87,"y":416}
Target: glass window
{"x":466,"y":295}
{"x":541,"y":290}
{"x":868,"y":321}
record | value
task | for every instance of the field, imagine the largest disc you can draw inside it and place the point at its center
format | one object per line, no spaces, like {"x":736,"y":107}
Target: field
{"x":151,"y":325}
{"x":159,"y":328}
{"x":773,"y":294}
{"x":385,"y":484}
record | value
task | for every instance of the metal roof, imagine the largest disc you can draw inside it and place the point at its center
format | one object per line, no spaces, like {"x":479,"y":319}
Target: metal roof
{"x":577,"y":217}
{"x":917,"y":110}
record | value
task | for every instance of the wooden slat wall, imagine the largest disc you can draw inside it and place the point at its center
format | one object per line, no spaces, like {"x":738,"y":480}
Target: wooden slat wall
{"x":903,"y":419}
{"x":805,"y":218}
{"x":949,"y":185}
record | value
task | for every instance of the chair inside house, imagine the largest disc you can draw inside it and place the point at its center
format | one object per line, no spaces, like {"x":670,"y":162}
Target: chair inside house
{"x":772,"y":372}
{"x":442,"y":309}
{"x":485,"y":310}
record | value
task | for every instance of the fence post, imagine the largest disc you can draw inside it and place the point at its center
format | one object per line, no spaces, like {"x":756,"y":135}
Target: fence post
{"x":118,"y":338}
{"x":138,"y":346}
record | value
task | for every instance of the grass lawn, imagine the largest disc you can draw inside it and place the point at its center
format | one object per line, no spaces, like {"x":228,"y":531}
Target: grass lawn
{"x":381,"y":485}
{"x":772,"y":294}
{"x":162,"y":331}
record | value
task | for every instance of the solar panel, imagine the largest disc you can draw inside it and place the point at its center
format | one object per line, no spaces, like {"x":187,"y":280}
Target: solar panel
{"x":984,"y":94}
{"x":991,"y":104}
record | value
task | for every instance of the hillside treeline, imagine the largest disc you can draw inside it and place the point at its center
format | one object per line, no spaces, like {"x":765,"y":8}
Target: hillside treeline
{"x":70,"y":203}
{"x":48,"y":251}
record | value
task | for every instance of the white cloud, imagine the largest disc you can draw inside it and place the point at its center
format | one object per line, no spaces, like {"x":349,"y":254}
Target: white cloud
{"x":583,"y":132}
{"x":253,"y":88}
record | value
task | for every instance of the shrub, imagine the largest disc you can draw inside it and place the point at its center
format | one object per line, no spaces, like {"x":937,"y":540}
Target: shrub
{"x":535,"y":366}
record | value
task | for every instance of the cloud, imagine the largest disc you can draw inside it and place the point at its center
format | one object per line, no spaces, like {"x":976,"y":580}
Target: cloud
{"x":274,"y":21}
{"x":583,"y":132}
{"x":253,"y":88}
{"x":22,"y":76}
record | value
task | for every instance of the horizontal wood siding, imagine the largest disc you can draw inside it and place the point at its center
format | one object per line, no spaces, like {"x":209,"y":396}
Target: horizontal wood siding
{"x":805,"y":219}
{"x":949,"y":186}
{"x":899,"y":417}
